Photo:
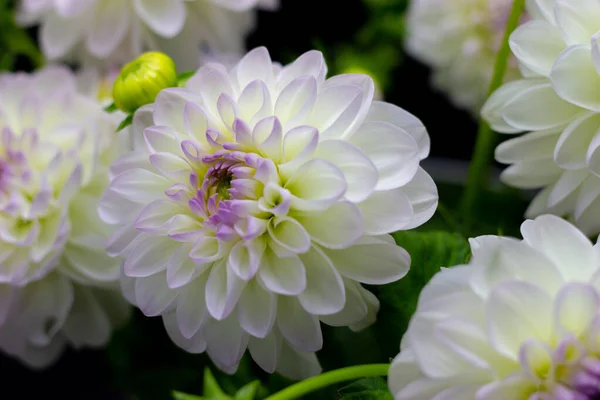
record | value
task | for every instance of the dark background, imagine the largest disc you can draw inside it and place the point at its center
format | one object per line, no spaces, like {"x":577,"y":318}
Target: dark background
{"x":141,"y":358}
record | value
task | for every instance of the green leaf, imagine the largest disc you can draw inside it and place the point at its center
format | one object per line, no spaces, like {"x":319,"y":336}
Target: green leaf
{"x":366,"y":389}
{"x":111,"y":108}
{"x":248,"y":392}
{"x":183,"y":78}
{"x":212,"y":390}
{"x":184,"y":396}
{"x":125,"y":123}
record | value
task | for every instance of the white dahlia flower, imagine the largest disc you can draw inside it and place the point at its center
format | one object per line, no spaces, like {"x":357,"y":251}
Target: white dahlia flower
{"x":262,"y":197}
{"x":521,"y":321}
{"x":115,"y":31}
{"x":558,"y":100}
{"x":459,"y":40}
{"x":57,"y":285}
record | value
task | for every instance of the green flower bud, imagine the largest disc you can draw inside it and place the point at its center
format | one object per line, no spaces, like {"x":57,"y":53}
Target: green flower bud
{"x":142,"y":79}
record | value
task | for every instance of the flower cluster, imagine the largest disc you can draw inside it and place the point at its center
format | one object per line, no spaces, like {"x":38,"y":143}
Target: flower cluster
{"x":57,"y":286}
{"x":557,"y":101}
{"x":521,"y":321}
{"x":459,"y":39}
{"x":261,"y":199}
{"x":115,"y":31}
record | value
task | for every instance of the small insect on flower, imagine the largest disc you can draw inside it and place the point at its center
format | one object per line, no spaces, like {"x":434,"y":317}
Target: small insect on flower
{"x":262,"y":198}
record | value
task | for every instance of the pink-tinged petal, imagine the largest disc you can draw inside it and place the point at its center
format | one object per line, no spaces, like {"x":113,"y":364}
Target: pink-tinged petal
{"x":257,"y":309}
{"x":148,"y":255}
{"x":286,"y":276}
{"x":164,"y":17}
{"x":301,"y":329}
{"x":223,"y":291}
{"x":325,"y":293}
{"x":191,"y":307}
{"x":392,"y":150}
{"x":316,"y":185}
{"x":255,"y":65}
{"x":108,"y":27}
{"x":153,"y":296}
{"x":371,"y":261}
{"x":296,"y":101}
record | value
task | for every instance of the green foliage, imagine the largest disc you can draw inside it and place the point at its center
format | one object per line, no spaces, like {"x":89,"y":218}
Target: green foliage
{"x":366,"y":389}
{"x":15,"y":42}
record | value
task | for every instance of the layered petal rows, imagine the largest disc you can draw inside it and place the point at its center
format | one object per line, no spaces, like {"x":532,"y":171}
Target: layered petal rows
{"x":258,"y":200}
{"x":115,"y":31}
{"x":459,"y":40}
{"x":521,"y":321}
{"x":557,"y":102}
{"x":55,"y":148}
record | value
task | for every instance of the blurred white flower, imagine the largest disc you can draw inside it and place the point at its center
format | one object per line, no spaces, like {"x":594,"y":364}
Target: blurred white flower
{"x":459,"y":40}
{"x":112,"y":32}
{"x":521,"y":321}
{"x":559,"y":101}
{"x":259,"y":200}
{"x":55,"y":149}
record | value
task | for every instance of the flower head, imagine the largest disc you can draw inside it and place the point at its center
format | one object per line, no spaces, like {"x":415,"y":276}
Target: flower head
{"x":521,"y":321}
{"x":54,"y":141}
{"x":142,"y":79}
{"x":115,"y":31}
{"x":459,"y":39}
{"x":260,"y":200}
{"x":557,"y":102}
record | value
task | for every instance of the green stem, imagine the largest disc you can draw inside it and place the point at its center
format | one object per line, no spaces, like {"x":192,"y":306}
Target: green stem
{"x":329,"y":378}
{"x":478,"y":170}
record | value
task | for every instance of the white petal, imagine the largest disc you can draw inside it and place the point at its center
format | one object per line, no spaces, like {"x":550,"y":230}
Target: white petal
{"x":226,"y":342}
{"x":108,"y":28}
{"x":139,"y":186}
{"x":245,"y":257}
{"x":325,"y":293}
{"x":537,"y":108}
{"x":297,"y":365}
{"x":423,"y":197}
{"x":360,"y":172}
{"x":393,"y":151}
{"x":566,"y":185}
{"x":310,"y":63}
{"x":170,"y":108}
{"x":537,"y":44}
{"x":575,"y":79}
{"x":386,"y":212}
{"x":149,"y":255}
{"x":578,"y":19}
{"x":257,"y":310}
{"x":255,"y":65}
{"x":223,"y":290}
{"x":152,"y":294}
{"x":562,"y":243}
{"x":120,"y":240}
{"x":285,"y":276}
{"x":337,"y":227}
{"x":335,"y":110}
{"x":575,"y":308}
{"x":165,"y":17}
{"x":316,"y":185}
{"x":265,"y":351}
{"x":290,"y":234}
{"x":371,"y":261}
{"x":194,"y":345}
{"x":531,"y":174}
{"x":354,"y":311}
{"x":296,"y":100}
{"x":59,"y":35}
{"x":532,"y":146}
{"x":386,"y":112}
{"x":191,"y":307}
{"x":518,"y":311}
{"x":300,"y":328}
{"x":88,"y":324}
